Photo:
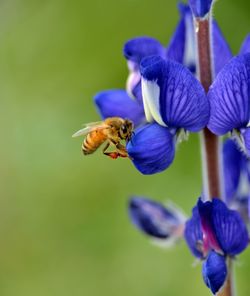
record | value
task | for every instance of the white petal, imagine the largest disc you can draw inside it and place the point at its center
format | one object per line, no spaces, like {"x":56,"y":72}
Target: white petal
{"x":151,"y":101}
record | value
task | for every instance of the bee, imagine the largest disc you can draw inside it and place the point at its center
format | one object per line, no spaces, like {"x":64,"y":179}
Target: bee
{"x":112,"y":130}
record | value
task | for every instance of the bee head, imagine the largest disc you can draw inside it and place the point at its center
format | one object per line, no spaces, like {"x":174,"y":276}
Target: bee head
{"x":126,"y":129}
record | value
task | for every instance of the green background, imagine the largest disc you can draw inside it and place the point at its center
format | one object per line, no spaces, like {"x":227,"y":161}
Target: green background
{"x":64,"y":228}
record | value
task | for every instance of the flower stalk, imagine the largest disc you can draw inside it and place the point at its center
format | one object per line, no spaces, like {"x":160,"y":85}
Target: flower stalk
{"x":210,"y":143}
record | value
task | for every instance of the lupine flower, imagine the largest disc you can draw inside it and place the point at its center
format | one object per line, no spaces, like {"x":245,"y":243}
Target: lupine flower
{"x":162,"y":224}
{"x":229,"y":101}
{"x":200,"y":8}
{"x":214,"y":233}
{"x":118,"y":102}
{"x":173,"y":101}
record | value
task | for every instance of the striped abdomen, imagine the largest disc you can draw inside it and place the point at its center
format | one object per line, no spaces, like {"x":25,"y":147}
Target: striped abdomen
{"x":93,"y":141}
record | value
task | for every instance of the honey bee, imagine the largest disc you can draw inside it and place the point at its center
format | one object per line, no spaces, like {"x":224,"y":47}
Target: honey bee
{"x":112,"y":130}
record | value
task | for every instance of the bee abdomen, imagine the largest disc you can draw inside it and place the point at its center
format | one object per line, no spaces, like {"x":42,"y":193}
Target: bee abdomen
{"x":90,"y":144}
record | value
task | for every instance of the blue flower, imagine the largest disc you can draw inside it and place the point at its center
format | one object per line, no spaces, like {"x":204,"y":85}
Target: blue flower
{"x":173,"y":101}
{"x":181,"y":48}
{"x":213,"y":233}
{"x":200,"y":8}
{"x":229,"y":101}
{"x":164,"y":91}
{"x":164,"y":224}
{"x":134,"y":51}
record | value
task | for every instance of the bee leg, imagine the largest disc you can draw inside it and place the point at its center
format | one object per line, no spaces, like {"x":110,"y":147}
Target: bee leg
{"x":122,"y":150}
{"x":112,"y":155}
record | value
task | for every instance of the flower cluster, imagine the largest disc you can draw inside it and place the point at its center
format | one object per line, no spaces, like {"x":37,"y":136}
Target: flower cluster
{"x":163,"y":98}
{"x":165,"y":101}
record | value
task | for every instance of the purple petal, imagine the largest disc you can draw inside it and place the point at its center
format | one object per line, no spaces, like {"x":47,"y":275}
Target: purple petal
{"x":229,"y":96}
{"x":245,"y":47}
{"x":229,"y":228}
{"x":193,"y":234}
{"x":112,"y":103}
{"x":232,"y":163}
{"x":152,"y":149}
{"x":214,"y":271}
{"x":173,"y":95}
{"x":154,"y":219}
{"x":200,"y":8}
{"x":221,"y":51}
{"x":136,"y":49}
{"x":182,"y":45}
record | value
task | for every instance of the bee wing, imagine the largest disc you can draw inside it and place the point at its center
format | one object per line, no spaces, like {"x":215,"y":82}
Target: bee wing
{"x":93,"y":124}
{"x":89,"y":128}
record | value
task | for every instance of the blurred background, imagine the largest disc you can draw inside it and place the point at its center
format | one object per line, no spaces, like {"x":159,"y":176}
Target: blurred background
{"x":64,"y":228}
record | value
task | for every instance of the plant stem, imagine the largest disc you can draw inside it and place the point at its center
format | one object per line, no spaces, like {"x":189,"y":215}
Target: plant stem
{"x":210,"y":144}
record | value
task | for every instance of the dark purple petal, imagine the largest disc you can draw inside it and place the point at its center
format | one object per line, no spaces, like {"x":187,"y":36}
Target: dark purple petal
{"x":232,"y":163}
{"x":229,"y":96}
{"x":136,"y":49}
{"x":245,"y":47}
{"x":154,"y":219}
{"x":112,"y":103}
{"x":221,"y":51}
{"x":182,"y":44}
{"x":193,"y":234}
{"x":214,"y":271}
{"x":152,"y":149}
{"x":229,"y":228}
{"x":174,"y":97}
{"x":200,"y":7}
